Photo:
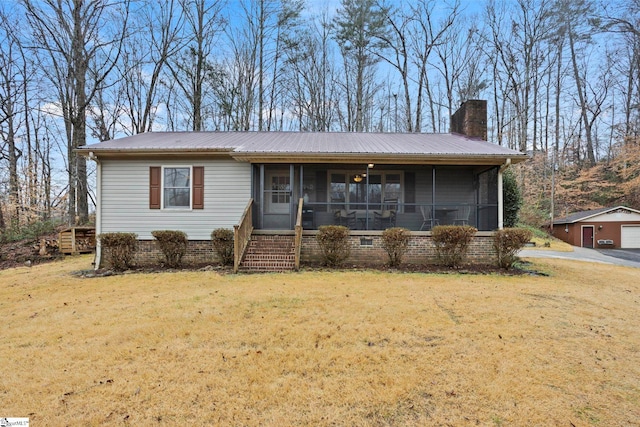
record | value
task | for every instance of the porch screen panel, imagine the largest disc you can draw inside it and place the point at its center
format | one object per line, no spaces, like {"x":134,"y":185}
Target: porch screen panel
{"x":375,"y":191}
{"x":357,"y":194}
{"x":321,"y":189}
{"x":488,"y":200}
{"x":392,"y":187}
{"x":454,"y":186}
{"x":409,"y":191}
{"x":338,"y":190}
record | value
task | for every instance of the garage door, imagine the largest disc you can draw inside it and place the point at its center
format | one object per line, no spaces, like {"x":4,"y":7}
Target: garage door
{"x":630,"y":236}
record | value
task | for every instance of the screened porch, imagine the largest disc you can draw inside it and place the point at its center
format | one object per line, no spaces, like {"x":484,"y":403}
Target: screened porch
{"x":375,"y":196}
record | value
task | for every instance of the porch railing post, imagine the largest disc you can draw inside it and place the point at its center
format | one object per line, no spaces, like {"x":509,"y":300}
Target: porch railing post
{"x":242,"y":235}
{"x":298,"y":238}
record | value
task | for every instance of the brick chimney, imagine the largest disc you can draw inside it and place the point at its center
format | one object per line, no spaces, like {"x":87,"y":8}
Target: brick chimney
{"x":471,"y":119}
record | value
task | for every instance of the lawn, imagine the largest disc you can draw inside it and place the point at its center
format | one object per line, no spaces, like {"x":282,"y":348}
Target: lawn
{"x":318,"y":348}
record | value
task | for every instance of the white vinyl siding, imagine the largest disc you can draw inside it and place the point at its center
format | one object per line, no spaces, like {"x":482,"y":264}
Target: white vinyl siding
{"x":125,"y":198}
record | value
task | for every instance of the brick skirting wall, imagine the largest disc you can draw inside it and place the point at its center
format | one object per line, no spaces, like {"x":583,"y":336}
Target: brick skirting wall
{"x":366,"y":249}
{"x":199,"y":252}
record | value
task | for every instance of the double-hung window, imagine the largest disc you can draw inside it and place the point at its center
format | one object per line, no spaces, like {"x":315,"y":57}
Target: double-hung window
{"x":176,"y":187}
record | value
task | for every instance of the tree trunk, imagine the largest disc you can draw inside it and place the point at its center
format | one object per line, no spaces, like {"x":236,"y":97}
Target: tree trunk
{"x":591,"y":159}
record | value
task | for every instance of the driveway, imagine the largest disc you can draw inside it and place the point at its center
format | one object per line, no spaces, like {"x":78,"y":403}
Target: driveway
{"x":626,"y":257}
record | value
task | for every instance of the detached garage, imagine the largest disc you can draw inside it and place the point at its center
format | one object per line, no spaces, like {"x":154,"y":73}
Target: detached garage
{"x":617,"y":227}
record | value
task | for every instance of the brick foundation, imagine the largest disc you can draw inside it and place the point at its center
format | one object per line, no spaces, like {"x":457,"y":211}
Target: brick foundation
{"x":366,"y":249}
{"x":199,"y":252}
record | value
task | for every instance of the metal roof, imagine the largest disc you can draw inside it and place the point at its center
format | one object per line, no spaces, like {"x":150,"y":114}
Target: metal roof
{"x":252,"y":145}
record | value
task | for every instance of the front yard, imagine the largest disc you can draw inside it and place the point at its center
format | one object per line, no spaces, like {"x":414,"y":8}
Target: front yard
{"x":321,"y":348}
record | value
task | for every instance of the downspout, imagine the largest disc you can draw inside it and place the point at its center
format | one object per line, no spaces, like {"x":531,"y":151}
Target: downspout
{"x":98,"y":255}
{"x":503,"y":167}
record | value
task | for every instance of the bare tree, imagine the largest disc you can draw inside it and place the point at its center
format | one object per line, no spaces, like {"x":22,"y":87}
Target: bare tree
{"x":625,"y":21}
{"x":515,"y":49}
{"x":309,"y":77}
{"x":12,"y":84}
{"x":159,"y":29}
{"x":68,"y":36}
{"x":191,"y":69}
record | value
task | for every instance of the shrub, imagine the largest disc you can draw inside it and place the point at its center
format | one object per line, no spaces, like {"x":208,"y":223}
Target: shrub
{"x":29,"y":231}
{"x":119,"y":249}
{"x":222,"y":239}
{"x":507,"y":243}
{"x":512,"y":198}
{"x":395,"y":241}
{"x":173,"y":244}
{"x":452,"y":243}
{"x":334,"y":243}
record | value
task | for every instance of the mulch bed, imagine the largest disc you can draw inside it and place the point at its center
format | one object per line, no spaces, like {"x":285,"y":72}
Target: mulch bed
{"x":522,"y":268}
{"x":25,"y":253}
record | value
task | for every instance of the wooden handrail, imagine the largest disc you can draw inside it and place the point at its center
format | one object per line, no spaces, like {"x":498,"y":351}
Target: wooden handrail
{"x":298,"y":239}
{"x":242,"y":235}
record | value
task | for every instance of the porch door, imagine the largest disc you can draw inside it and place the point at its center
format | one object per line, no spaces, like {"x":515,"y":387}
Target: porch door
{"x":587,"y":236}
{"x":278,"y":192}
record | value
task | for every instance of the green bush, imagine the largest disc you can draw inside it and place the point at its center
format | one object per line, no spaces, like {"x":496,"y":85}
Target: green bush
{"x":507,"y":243}
{"x":334,"y":243}
{"x":222,"y":239}
{"x":119,"y":249}
{"x":29,"y":231}
{"x":452,"y":243}
{"x":173,"y":244}
{"x":512,"y":198}
{"x":395,"y":241}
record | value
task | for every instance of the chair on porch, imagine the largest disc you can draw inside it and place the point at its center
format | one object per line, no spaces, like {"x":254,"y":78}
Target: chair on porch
{"x":384,"y":219}
{"x":428,"y":220}
{"x":342,"y":217}
{"x":390,"y":205}
{"x":462,"y":215}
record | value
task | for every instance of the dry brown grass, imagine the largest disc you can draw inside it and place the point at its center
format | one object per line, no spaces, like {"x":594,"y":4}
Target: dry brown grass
{"x":319,"y":348}
{"x":553,"y":245}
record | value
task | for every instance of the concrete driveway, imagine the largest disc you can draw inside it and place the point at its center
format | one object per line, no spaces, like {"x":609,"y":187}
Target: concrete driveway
{"x":626,"y":257}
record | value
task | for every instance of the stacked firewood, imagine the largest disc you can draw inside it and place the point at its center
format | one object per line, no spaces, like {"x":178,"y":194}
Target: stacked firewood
{"x":46,"y":247}
{"x":86,"y":244}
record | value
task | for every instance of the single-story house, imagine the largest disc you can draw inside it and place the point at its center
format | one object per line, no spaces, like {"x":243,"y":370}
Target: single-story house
{"x":617,"y":227}
{"x":274,"y":186}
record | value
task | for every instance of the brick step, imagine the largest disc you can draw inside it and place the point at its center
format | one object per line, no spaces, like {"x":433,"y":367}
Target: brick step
{"x":261,"y":250}
{"x":267,"y":267}
{"x":269,"y":253}
{"x":268,"y":257}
